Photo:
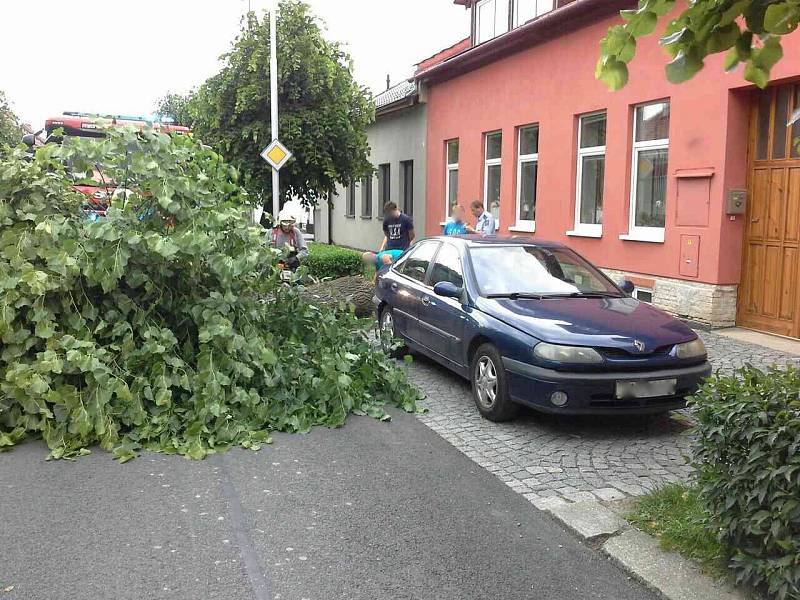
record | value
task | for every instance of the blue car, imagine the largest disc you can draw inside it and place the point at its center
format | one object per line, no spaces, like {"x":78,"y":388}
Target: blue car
{"x":533,"y":323}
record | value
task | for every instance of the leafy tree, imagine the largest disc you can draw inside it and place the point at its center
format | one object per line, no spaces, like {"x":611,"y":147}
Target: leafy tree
{"x":10,"y":130}
{"x":323,"y":111}
{"x":163,"y":326}
{"x":177,"y":107}
{"x":748,"y":31}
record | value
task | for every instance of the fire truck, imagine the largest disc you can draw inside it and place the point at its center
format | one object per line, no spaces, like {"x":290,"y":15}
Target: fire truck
{"x":98,"y":189}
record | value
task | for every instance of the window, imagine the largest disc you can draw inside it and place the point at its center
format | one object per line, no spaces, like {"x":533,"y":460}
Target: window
{"x":416,"y":265}
{"x":527,"y":175}
{"x":407,"y":186}
{"x":447,"y":267}
{"x":451,"y":183}
{"x":491,"y":19}
{"x":525,"y":10}
{"x":384,"y":184}
{"x":643,"y":294}
{"x":649,"y":172}
{"x":591,"y":175}
{"x":522,"y":269}
{"x":366,"y":197}
{"x":491,"y":174}
{"x":350,"y":208}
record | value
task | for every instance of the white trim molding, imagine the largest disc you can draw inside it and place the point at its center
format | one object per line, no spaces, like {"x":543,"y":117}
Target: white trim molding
{"x":641,"y":233}
{"x":594,"y":230}
{"x":487,"y":164}
{"x":522,"y":160}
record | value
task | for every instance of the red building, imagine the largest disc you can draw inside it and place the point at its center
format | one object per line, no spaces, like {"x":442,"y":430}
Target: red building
{"x":691,"y":191}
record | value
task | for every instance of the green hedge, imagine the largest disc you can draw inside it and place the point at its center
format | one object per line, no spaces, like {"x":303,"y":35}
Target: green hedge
{"x":325,"y":261}
{"x":748,"y":461}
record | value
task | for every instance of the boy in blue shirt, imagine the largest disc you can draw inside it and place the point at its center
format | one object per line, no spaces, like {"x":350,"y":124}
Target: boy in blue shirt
{"x":456,"y":224}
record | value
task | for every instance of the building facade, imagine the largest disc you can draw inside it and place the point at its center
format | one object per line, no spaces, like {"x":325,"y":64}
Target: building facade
{"x":397,"y":139}
{"x":691,"y":191}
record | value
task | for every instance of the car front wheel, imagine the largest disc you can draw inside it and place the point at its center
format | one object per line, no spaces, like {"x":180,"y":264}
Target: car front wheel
{"x":489,"y":386}
{"x":389,"y":339}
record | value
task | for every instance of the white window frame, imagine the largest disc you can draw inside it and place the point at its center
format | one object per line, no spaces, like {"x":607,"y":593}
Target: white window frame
{"x":538,"y":13}
{"x":637,"y":289}
{"x":525,"y":225}
{"x":587,"y":229}
{"x":495,"y":34}
{"x":450,"y":167}
{"x":491,"y":162}
{"x":643,"y":234}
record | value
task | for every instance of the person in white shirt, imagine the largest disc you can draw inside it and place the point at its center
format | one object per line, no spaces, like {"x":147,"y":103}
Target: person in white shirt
{"x":484,"y":224}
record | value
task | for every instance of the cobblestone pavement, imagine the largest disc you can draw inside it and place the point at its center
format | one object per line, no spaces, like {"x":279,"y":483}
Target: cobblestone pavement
{"x":574,"y":458}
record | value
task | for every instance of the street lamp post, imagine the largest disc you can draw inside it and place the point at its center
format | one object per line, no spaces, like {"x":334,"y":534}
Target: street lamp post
{"x":273,"y":84}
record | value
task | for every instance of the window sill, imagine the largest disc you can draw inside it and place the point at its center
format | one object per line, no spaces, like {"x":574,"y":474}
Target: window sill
{"x":643,"y":237}
{"x":367,"y":217}
{"x":523,"y":228}
{"x":349,"y":216}
{"x":582,"y":233}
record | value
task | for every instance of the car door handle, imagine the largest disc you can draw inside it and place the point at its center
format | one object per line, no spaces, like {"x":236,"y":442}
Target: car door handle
{"x":426,"y":301}
{"x":394,"y":287}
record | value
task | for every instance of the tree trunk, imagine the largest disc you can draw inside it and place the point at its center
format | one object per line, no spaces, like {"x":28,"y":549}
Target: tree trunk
{"x":354,"y":290}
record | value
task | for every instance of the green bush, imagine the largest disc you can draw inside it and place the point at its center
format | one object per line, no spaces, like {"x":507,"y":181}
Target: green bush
{"x":163,"y":326}
{"x":748,"y":462}
{"x":331,"y":262}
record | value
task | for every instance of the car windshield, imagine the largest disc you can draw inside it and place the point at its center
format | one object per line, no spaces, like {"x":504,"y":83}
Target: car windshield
{"x":509,"y":271}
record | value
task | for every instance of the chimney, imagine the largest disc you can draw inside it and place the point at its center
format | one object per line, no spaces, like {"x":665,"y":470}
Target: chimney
{"x":388,"y":82}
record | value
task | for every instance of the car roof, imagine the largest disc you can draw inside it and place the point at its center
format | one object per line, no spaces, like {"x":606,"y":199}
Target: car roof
{"x":476,"y":241}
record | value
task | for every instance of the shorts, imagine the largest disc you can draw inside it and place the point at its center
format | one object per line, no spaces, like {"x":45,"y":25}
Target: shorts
{"x":395,"y":254}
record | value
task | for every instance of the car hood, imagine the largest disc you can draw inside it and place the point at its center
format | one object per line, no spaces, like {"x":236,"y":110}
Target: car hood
{"x":599,"y":322}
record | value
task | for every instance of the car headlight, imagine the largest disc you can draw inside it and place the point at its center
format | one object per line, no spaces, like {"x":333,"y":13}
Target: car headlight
{"x":567,"y":354}
{"x":694,"y":349}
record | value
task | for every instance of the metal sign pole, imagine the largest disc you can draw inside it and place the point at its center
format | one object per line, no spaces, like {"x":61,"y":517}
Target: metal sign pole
{"x":273,"y":83}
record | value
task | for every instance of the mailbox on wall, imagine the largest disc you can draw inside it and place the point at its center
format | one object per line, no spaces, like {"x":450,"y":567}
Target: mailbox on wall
{"x":736,"y":202}
{"x":690,"y":256}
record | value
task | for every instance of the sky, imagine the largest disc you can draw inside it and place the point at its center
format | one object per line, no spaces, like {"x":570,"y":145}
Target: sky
{"x":121,"y":56}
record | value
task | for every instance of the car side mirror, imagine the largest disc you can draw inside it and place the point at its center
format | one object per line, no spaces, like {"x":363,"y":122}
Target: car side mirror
{"x":447,"y":290}
{"x":626,"y":286}
{"x":29,"y":140}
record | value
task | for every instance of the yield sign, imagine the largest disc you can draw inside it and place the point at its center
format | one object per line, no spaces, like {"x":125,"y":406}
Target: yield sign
{"x":276,"y":154}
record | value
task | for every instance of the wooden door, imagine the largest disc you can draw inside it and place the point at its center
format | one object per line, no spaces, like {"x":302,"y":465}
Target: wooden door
{"x":769,"y":293}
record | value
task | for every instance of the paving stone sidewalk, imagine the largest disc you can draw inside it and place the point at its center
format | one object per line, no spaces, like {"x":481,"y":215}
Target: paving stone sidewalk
{"x":574,"y":458}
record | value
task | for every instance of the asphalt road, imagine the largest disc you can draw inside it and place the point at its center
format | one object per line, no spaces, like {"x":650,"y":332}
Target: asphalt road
{"x":371,"y":511}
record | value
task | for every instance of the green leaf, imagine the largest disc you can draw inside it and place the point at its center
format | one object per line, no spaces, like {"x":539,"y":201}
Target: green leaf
{"x":643,"y":23}
{"x":683,"y":67}
{"x":782,"y":18}
{"x":756,"y":75}
{"x":613,"y":73}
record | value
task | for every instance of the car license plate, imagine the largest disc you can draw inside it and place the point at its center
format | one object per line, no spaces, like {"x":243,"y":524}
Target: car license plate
{"x":646,"y":389}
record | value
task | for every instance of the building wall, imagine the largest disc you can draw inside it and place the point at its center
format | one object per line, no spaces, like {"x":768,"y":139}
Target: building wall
{"x":552,"y":84}
{"x":393,"y":138}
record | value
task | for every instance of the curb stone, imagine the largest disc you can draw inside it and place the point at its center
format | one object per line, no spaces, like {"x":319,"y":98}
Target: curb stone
{"x":668,"y":574}
{"x":590,"y":520}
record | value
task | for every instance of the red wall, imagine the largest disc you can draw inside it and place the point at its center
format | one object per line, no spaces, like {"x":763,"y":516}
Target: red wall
{"x":551,"y":84}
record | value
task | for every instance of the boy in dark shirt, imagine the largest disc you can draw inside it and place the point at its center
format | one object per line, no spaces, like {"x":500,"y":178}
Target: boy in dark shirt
{"x":398,"y":230}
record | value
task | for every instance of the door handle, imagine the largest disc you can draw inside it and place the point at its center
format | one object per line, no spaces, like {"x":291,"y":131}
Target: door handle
{"x":756,"y":220}
{"x":426,"y":301}
{"x":394,"y":287}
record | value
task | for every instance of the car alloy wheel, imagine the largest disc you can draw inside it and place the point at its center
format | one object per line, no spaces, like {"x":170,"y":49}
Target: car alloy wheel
{"x":486,"y":382}
{"x":386,"y":331}
{"x":489,"y":385}
{"x":387,"y":323}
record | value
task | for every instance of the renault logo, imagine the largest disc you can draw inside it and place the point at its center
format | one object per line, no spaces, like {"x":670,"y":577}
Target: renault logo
{"x":639,"y":345}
